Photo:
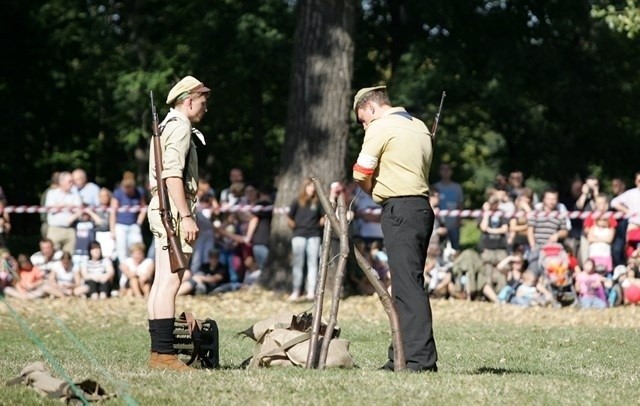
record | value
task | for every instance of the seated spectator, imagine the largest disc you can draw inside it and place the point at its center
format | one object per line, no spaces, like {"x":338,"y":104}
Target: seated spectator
{"x":590,"y":287}
{"x":65,"y":279}
{"x":438,"y":278}
{"x":46,"y":256}
{"x":211,"y":275}
{"x":630,"y":283}
{"x":7,"y":272}
{"x":136,"y":272}
{"x":98,"y":272}
{"x":5,"y":223}
{"x":531,"y":292}
{"x":513,"y":267}
{"x":30,"y":283}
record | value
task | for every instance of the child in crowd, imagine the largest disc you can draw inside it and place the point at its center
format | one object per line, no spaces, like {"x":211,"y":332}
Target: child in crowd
{"x":590,"y":287}
{"x":65,"y":279}
{"x":136,"y":272}
{"x":98,"y":272}
{"x":211,"y":275}
{"x":530,"y":292}
{"x":31,"y":283}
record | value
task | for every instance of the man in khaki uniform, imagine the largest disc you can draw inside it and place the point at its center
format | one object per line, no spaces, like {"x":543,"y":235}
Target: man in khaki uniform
{"x":180,"y":173}
{"x":393,"y":166}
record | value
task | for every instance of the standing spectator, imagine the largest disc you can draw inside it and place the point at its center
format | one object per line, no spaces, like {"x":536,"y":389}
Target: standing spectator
{"x":85,"y":233}
{"x":88,"y":191}
{"x":46,"y":256}
{"x":62,"y":202}
{"x":259,"y":228}
{"x":53,"y":184}
{"x":600,"y":239}
{"x":97,"y":272}
{"x":494,"y":227}
{"x":586,"y":202}
{"x":618,"y":187}
{"x":545,"y":227}
{"x":439,"y":234}
{"x":102,"y":220}
{"x":367,"y":215}
{"x":206,"y":236}
{"x":393,"y":166}
{"x":629,"y":204}
{"x":519,"y":223}
{"x":136,"y":272}
{"x":451,"y":198}
{"x":126,"y":223}
{"x":227,"y":198}
{"x":5,"y":224}
{"x":517,"y":186}
{"x":306,"y":219}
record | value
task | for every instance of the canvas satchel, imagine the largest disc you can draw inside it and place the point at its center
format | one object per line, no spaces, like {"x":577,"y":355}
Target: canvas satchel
{"x":283,"y":340}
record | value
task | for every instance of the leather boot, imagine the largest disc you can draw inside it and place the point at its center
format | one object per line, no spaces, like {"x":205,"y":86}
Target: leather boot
{"x":167,"y":361}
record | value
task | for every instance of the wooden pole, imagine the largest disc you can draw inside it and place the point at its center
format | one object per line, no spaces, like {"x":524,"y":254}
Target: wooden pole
{"x":312,"y":359}
{"x":388,"y":305}
{"x":337,"y":286}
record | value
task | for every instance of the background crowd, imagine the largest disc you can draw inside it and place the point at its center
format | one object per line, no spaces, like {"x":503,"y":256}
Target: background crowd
{"x":554,"y":249}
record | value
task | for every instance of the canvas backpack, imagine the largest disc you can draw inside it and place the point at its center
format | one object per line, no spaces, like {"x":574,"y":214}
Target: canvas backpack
{"x":283,"y":340}
{"x":198,"y":339}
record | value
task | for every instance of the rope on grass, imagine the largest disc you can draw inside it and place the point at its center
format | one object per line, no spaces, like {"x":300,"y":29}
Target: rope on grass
{"x":120,"y":387}
{"x":47,"y":354}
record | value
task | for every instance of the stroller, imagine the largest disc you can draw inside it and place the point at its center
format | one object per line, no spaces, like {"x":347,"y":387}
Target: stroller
{"x":554,"y":261}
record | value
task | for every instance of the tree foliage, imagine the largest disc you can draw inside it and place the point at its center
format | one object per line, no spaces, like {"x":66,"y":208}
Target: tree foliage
{"x":544,"y":86}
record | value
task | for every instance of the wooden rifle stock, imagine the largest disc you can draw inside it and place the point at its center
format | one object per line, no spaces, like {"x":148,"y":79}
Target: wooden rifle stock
{"x":177,"y":258}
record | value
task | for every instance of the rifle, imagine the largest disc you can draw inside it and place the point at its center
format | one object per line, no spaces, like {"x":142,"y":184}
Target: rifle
{"x":176,"y":256}
{"x":435,"y":123}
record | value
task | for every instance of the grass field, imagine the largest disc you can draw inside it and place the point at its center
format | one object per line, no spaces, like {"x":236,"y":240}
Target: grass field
{"x":488,"y":354}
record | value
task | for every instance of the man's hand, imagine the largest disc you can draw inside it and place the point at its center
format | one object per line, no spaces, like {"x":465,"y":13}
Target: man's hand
{"x":190,"y":229}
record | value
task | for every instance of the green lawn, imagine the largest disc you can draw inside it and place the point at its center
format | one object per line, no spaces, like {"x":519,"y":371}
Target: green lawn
{"x":488,"y":355}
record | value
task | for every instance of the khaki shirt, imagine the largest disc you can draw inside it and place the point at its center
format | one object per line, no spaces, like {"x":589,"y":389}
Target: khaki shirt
{"x":176,"y":141}
{"x":397,"y":152}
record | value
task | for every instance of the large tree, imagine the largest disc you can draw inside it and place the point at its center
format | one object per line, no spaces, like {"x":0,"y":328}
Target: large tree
{"x":317,"y":115}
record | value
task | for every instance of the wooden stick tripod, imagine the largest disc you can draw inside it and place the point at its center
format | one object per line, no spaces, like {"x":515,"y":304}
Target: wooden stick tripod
{"x":339,"y":223}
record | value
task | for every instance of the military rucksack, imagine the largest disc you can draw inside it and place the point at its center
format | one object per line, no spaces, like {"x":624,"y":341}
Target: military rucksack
{"x":197,"y":339}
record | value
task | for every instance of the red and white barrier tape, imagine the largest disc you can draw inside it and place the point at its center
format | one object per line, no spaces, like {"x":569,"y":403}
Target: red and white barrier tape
{"x":246,"y":208}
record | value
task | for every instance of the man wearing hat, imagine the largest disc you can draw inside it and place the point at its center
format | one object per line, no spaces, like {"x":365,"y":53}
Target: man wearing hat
{"x":393,"y":166}
{"x":188,"y":99}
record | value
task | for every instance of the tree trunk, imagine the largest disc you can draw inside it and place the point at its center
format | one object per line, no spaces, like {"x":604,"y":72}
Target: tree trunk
{"x":317,"y":116}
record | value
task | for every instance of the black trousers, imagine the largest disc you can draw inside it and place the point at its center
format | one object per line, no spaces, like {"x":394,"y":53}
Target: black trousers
{"x":407,"y":224}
